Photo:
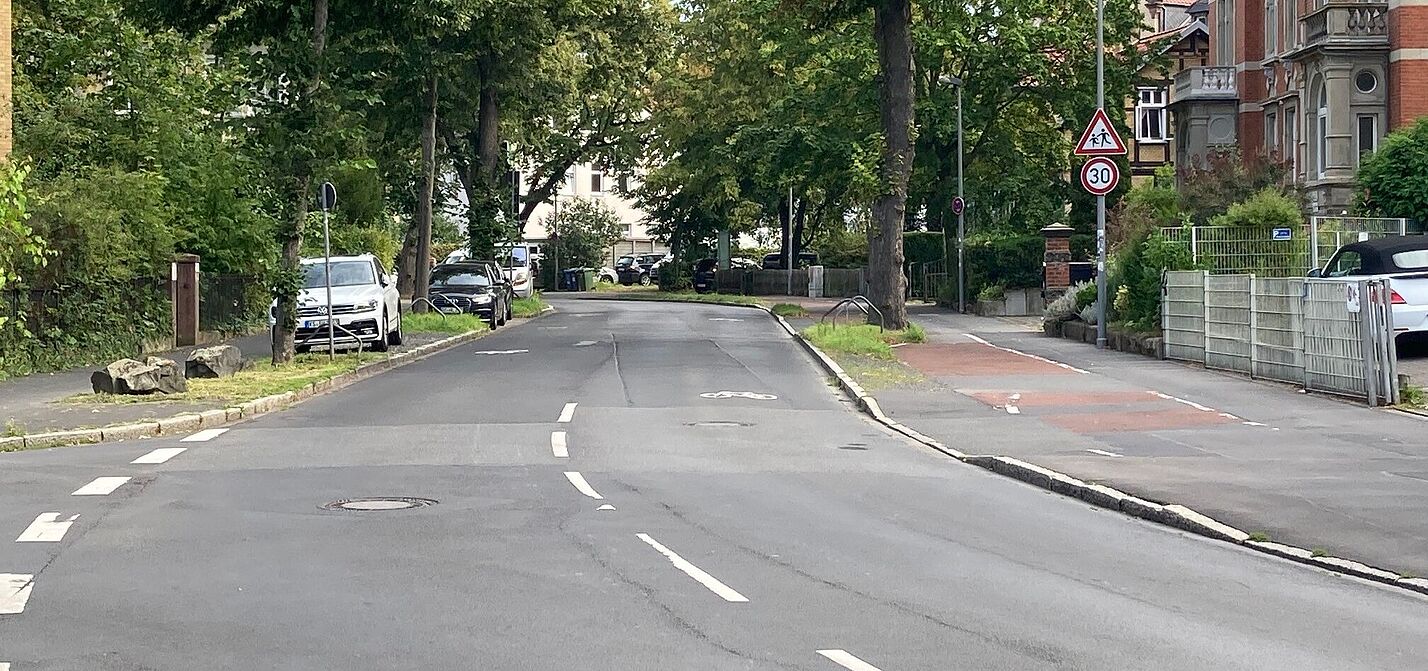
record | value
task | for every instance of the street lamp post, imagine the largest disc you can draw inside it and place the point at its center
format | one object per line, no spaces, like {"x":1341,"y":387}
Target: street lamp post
{"x":962,"y":208}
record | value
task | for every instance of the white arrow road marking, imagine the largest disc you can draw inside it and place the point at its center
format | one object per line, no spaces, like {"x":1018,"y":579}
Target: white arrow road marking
{"x":557,"y":445}
{"x":160,"y":455}
{"x":15,"y":592}
{"x":724,"y":591}
{"x":582,"y":486}
{"x":739,"y":394}
{"x":585,"y":343}
{"x":503,"y":351}
{"x":1011,"y":405}
{"x":101,"y":487}
{"x":1104,"y":453}
{"x":847,"y":661}
{"x":604,"y":507}
{"x":204,"y":436}
{"x":47,"y":528}
{"x":567,"y":413}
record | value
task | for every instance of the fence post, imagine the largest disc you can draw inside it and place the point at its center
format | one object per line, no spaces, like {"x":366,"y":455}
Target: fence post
{"x":1313,"y":242}
{"x":1194,"y":245}
{"x":1204,"y":316}
{"x":1402,"y":226}
{"x":185,"y":294}
{"x":1368,"y":342}
{"x":1253,"y":323}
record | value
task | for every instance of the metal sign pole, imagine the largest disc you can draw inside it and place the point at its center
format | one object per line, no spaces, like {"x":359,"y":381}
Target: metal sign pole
{"x":788,"y":241}
{"x":326,"y":199}
{"x":1101,"y":200}
{"x":961,"y":215}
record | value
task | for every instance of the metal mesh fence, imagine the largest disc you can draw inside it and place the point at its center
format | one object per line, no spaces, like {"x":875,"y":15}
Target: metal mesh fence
{"x":1334,"y":353}
{"x":230,"y":302}
{"x":1281,"y":252}
{"x":1331,"y":233}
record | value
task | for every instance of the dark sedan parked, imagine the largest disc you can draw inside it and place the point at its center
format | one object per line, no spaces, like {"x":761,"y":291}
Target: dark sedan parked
{"x":472,"y":287}
{"x":638,"y":269}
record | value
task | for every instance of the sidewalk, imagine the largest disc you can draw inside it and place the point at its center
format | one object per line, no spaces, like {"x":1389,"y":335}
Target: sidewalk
{"x":1306,"y":470}
{"x":34,"y":404}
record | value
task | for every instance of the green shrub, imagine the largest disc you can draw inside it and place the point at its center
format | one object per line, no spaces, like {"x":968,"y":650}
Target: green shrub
{"x":1086,"y":294}
{"x":992,"y":292}
{"x":1393,"y":181}
{"x":1140,"y":269}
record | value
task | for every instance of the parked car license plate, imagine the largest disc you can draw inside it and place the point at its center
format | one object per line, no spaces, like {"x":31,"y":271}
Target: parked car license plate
{"x":314,"y":323}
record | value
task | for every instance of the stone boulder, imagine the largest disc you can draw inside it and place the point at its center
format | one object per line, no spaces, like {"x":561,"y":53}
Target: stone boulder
{"x":209,"y":362}
{"x":127,"y":376}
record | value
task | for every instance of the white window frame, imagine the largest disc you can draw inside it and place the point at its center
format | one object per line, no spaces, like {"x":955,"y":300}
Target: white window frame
{"x":1151,"y":101}
{"x":1321,"y":133}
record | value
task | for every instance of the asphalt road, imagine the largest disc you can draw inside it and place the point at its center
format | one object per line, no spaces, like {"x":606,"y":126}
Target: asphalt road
{"x":747,"y":533}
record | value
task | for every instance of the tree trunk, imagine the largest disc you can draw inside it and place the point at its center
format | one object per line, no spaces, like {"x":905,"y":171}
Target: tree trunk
{"x":406,"y":261}
{"x":800,"y":225}
{"x":422,"y":278}
{"x":893,"y":32}
{"x":483,"y":192}
{"x":291,"y":261}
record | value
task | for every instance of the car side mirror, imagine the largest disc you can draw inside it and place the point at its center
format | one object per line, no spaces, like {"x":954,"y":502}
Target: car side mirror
{"x":1316,"y":273}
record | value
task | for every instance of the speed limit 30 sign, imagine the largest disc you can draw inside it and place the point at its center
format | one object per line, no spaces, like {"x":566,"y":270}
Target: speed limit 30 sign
{"x":1100,"y":176}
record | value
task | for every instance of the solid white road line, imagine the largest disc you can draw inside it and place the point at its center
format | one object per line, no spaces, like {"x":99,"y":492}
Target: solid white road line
{"x":204,"y":436}
{"x":160,"y":455}
{"x":15,"y":592}
{"x":47,"y":528}
{"x":101,"y":486}
{"x":1042,"y":359}
{"x":567,"y":414}
{"x":847,"y":661}
{"x":724,"y":591}
{"x":557,"y":444}
{"x":1103,"y":453}
{"x":582,"y":486}
{"x":585,"y":343}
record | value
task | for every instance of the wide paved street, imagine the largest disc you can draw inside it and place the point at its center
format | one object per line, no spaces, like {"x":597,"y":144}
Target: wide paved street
{"x":626,"y":486}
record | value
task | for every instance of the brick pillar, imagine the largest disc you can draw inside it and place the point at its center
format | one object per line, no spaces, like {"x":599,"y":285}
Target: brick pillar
{"x":1056,"y":263}
{"x":185,"y":283}
{"x":1407,"y":61}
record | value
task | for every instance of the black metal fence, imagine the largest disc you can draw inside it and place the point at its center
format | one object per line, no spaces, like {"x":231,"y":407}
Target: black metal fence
{"x":55,"y":327}
{"x":231,"y":302}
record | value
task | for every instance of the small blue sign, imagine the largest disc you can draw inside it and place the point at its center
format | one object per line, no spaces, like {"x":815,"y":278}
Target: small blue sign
{"x":1283,"y":234}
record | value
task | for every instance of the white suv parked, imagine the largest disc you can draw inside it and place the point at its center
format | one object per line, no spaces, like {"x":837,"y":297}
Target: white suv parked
{"x":365,"y":304}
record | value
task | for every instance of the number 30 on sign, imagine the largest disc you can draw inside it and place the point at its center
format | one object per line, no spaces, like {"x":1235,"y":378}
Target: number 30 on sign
{"x":1100,"y":176}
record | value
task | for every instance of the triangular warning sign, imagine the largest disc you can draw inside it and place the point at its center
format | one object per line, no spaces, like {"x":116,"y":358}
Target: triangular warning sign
{"x":1100,"y":138}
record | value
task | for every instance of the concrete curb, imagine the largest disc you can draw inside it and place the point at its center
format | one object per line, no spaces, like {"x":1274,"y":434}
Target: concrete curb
{"x":190,"y":422}
{"x":1177,"y":516}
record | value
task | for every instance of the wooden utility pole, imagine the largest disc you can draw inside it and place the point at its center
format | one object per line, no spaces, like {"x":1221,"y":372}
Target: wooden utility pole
{"x":7,"y":107}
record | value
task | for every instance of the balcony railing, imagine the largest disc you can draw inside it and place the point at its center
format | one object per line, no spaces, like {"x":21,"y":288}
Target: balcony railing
{"x":1346,"y":21}
{"x":1205,"y":83}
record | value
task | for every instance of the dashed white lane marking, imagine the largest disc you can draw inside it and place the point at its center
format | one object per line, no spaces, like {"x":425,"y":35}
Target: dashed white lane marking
{"x":1177,"y":399}
{"x":724,"y":319}
{"x":567,"y":413}
{"x":582,"y":486}
{"x":844,"y":659}
{"x":585,"y":343}
{"x":4,"y":666}
{"x":204,"y":436}
{"x":1103,"y":453}
{"x":498,"y":352}
{"x":1251,"y":423}
{"x":15,"y":592}
{"x":1042,"y":359}
{"x":898,"y":344}
{"x":47,"y":528}
{"x":1011,"y":404}
{"x":101,"y":486}
{"x":160,"y":455}
{"x":724,"y":591}
{"x":557,"y":445}
{"x":604,"y":507}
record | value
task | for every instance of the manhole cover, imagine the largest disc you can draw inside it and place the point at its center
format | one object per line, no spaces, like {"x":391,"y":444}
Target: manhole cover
{"x":378,"y":503}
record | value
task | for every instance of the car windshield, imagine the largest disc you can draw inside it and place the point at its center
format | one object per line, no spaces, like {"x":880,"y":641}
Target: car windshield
{"x":344,"y":274}
{"x":459,"y":277}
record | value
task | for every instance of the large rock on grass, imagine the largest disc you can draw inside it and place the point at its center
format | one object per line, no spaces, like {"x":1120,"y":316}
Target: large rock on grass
{"x":210,"y":362}
{"x":127,"y":376}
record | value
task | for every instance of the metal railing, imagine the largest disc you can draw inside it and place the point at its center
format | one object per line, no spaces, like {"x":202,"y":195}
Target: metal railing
{"x":860,"y":302}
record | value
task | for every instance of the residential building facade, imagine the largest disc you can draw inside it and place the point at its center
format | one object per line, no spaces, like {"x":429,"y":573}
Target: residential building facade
{"x":1314,"y":83}
{"x":1182,"y":42}
{"x":588,"y":182}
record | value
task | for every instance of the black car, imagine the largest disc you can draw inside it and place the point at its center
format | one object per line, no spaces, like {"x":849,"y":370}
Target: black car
{"x":706,"y":276}
{"x":639,"y":268}
{"x":777,"y":261}
{"x":472,"y":287}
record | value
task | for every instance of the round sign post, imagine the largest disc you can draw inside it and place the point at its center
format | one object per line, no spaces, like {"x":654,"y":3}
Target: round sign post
{"x":327,"y":199}
{"x":1100,"y":176}
{"x":958,"y":205}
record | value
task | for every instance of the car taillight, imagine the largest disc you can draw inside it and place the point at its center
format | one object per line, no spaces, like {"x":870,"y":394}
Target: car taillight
{"x":1396,"y":299}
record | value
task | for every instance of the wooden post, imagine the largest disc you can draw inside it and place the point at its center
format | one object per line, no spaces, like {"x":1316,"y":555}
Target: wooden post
{"x":7,"y":133}
{"x":185,"y":299}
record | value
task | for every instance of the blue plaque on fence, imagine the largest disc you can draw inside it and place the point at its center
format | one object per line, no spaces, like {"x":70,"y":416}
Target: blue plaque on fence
{"x":1283,"y":234}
